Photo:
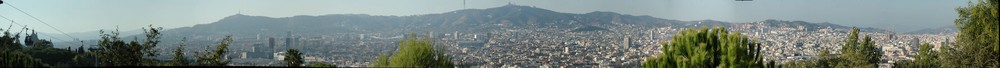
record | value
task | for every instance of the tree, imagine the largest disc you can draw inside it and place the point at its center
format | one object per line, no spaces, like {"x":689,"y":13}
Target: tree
{"x":976,"y":43}
{"x":860,"y":53}
{"x":215,"y":57}
{"x":856,"y":53}
{"x":825,"y":60}
{"x":415,"y":52}
{"x":321,"y":64}
{"x":42,"y":43}
{"x":293,"y":58}
{"x":79,"y":49}
{"x":381,"y":60}
{"x":179,"y":59}
{"x":112,"y":51}
{"x":15,"y":59}
{"x":84,"y":60}
{"x":50,"y":55}
{"x":924,"y":59}
{"x":8,"y":42}
{"x":10,"y":57}
{"x":707,"y":48}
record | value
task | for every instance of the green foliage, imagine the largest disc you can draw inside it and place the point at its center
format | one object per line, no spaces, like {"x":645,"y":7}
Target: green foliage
{"x":860,"y":53}
{"x":113,"y":51}
{"x":84,"y":60}
{"x":856,"y":53}
{"x":8,"y":42}
{"x":215,"y":57}
{"x":414,"y":52}
{"x":16,"y":59}
{"x":11,"y":57}
{"x":321,"y":64}
{"x":976,"y":44}
{"x":42,"y":43}
{"x":179,"y":59}
{"x":925,"y":59}
{"x":50,"y":55}
{"x":708,"y":48}
{"x":381,"y":60}
{"x":293,"y":58}
{"x":825,"y":60}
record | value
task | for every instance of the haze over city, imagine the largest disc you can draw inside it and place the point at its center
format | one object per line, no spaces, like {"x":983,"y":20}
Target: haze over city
{"x":500,"y":33}
{"x":83,"y":15}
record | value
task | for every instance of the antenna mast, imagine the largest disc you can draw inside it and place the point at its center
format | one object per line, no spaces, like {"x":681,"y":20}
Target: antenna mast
{"x":463,"y":4}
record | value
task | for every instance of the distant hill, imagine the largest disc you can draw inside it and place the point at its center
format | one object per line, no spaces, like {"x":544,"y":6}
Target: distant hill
{"x":810,"y":26}
{"x":938,"y":30}
{"x":469,"y":20}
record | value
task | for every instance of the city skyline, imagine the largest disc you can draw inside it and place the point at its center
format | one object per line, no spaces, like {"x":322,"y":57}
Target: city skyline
{"x":79,"y":16}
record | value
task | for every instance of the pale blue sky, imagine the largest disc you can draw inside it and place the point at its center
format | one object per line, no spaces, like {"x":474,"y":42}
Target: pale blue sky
{"x":90,"y":15}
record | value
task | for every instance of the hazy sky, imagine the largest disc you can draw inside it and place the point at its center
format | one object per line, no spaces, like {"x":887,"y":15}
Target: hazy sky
{"x":90,"y":15}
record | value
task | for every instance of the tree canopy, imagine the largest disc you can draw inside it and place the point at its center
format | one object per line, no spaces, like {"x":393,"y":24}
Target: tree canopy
{"x":113,"y":51}
{"x":179,"y":58}
{"x":415,"y":52}
{"x":860,"y":53}
{"x":293,"y":58}
{"x":976,"y":43}
{"x":708,"y":48}
{"x":856,"y":52}
{"x":215,"y":57}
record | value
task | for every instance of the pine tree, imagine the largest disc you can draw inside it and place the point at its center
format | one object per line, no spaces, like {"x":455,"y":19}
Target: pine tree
{"x":708,"y":48}
{"x":415,"y":52}
{"x":113,"y":51}
{"x":293,"y":58}
{"x":856,"y":53}
{"x":863,"y":53}
{"x":976,"y":44}
{"x":215,"y":57}
{"x":179,"y":59}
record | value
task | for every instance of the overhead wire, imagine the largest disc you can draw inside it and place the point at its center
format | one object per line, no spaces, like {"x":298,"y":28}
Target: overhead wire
{"x":26,"y":26}
{"x":39,"y":20}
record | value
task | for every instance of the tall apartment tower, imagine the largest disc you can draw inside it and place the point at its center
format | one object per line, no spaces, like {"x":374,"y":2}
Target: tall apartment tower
{"x":270,"y":44}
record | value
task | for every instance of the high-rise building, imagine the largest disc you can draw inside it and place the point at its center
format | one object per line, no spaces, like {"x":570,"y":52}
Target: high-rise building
{"x":288,"y":40}
{"x":626,"y":42}
{"x":270,"y":44}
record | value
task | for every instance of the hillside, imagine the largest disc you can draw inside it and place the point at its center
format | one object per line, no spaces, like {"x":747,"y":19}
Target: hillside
{"x":460,"y":21}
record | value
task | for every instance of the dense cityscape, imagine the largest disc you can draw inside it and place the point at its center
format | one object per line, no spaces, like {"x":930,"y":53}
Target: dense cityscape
{"x":514,"y":36}
{"x":615,"y":47}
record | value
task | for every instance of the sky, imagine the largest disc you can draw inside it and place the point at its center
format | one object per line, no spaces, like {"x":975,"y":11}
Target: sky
{"x":90,"y":15}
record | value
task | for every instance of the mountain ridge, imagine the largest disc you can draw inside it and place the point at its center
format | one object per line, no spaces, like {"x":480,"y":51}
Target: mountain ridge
{"x":467,"y":20}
